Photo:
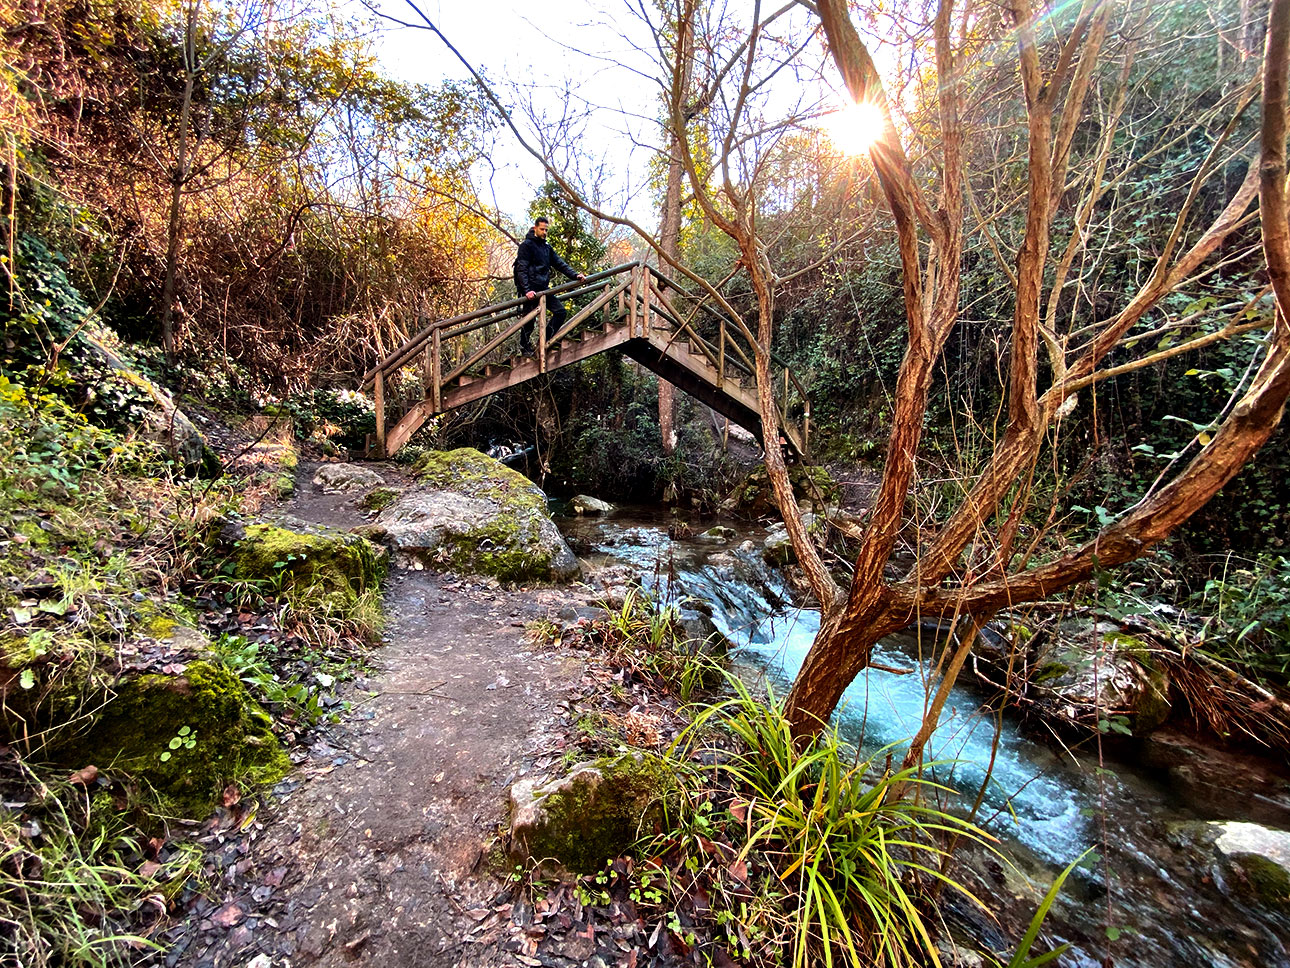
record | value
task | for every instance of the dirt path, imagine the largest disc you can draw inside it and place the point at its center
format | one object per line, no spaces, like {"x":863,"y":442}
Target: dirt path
{"x":375,"y":850}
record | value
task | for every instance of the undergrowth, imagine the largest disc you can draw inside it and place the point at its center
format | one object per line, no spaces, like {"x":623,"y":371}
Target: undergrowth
{"x":109,"y":574}
{"x":642,"y":638}
{"x":777,"y":851}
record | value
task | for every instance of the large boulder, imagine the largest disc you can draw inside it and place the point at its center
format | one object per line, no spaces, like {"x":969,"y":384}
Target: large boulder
{"x":333,"y":566}
{"x":346,"y":478}
{"x":471,"y":513}
{"x":1246,"y":860}
{"x":1084,"y":674}
{"x":1204,"y":774}
{"x":1093,"y":674}
{"x":162,"y":420}
{"x":777,"y":548}
{"x":595,"y":813}
{"x":752,"y":497}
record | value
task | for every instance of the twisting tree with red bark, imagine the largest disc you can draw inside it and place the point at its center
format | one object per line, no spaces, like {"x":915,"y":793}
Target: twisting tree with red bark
{"x":979,"y":558}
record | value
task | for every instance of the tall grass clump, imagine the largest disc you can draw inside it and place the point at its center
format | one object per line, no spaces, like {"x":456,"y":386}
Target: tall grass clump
{"x":648,"y":638}
{"x":851,"y":847}
{"x":75,"y":886}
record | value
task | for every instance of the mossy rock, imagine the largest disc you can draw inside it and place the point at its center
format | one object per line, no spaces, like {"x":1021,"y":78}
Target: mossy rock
{"x":338,"y":567}
{"x":162,"y":421}
{"x":471,"y":513}
{"x":595,"y":813}
{"x":1252,"y":861}
{"x":379,"y":498}
{"x":1050,"y":671}
{"x":754,"y":497}
{"x":470,"y":471}
{"x":222,"y":734}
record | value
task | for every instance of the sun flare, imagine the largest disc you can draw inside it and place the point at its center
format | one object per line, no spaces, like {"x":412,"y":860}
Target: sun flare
{"x":855,"y":128}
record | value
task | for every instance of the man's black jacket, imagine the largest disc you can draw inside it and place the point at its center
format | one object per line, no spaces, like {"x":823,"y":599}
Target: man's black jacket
{"x":533,"y":265}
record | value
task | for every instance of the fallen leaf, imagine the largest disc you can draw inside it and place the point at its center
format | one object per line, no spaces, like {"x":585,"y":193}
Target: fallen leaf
{"x":228,"y":915}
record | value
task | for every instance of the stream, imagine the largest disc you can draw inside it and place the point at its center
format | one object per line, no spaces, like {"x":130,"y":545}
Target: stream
{"x":1164,"y":901}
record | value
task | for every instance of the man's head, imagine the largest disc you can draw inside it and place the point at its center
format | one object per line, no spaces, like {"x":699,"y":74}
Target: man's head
{"x":541,"y":226}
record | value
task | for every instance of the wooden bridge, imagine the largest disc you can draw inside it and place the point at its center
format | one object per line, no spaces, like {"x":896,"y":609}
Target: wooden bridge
{"x":631,"y":307}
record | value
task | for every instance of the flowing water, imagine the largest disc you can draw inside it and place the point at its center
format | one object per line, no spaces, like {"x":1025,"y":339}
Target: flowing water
{"x":1046,"y":809}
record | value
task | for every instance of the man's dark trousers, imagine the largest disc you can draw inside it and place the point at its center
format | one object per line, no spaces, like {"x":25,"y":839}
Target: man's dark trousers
{"x":556,"y":314}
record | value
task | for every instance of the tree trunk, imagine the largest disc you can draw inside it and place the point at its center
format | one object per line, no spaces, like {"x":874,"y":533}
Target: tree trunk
{"x":178,"y":179}
{"x":670,"y":243}
{"x":670,"y":225}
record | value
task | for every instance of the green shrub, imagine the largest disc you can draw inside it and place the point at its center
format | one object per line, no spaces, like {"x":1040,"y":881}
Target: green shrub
{"x":1247,"y":609}
{"x":853,"y":854}
{"x":342,"y":416}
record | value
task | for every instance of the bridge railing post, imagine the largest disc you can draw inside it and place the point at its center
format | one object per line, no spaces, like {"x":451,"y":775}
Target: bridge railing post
{"x":647,"y":322}
{"x":436,"y":366}
{"x":379,"y":400}
{"x":633,"y":324}
{"x":721,"y":352}
{"x":541,"y":333}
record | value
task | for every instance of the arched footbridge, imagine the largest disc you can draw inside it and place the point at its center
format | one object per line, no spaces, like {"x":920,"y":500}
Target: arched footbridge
{"x":632,"y":308}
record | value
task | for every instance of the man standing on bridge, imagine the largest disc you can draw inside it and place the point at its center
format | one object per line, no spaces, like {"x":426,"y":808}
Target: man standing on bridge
{"x":533,"y":274}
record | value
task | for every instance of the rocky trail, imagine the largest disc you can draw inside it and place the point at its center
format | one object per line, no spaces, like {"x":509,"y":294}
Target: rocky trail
{"x":384,"y":846}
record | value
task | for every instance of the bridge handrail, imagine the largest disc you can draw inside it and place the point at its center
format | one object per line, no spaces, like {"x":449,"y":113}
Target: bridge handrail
{"x":416,"y":343}
{"x":731,"y":352}
{"x":746,"y":365}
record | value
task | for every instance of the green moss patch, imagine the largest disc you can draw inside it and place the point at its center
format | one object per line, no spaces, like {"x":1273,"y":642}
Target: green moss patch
{"x":186,"y":736}
{"x":337,"y":567}
{"x":471,"y":472}
{"x":379,"y":498}
{"x":597,"y":812}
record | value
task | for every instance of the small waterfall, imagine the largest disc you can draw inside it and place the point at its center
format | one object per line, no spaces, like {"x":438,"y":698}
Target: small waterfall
{"x":1027,"y":798}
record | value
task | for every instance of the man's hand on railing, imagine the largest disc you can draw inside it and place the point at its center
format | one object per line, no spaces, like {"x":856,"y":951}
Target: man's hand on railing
{"x":530,"y":294}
